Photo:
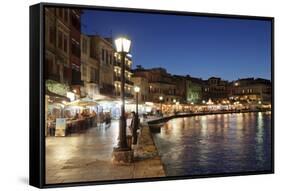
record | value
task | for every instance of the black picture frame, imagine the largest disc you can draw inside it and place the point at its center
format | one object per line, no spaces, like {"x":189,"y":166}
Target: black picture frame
{"x":37,"y":92}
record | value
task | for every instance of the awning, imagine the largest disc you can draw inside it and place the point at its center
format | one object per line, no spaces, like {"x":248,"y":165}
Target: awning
{"x":83,"y":102}
{"x":56,"y":97}
{"x":100,"y":97}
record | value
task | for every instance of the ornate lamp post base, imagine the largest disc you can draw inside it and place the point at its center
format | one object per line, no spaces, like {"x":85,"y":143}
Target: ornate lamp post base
{"x":122,"y":156}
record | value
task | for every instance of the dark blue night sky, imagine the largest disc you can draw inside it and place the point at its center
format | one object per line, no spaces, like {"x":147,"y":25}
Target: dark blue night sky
{"x":198,"y":46}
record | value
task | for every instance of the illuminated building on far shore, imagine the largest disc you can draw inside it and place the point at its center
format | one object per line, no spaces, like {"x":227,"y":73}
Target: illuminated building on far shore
{"x":251,"y":90}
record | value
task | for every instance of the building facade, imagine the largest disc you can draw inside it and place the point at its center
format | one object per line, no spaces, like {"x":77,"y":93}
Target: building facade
{"x":194,"y":90}
{"x":75,"y":49}
{"x":128,"y":76}
{"x":57,"y":53}
{"x":62,"y":58}
{"x":141,"y":82}
{"x":103,"y":52}
{"x":89,"y":67}
{"x":251,"y":90}
{"x":101,"y":67}
{"x":160,"y":83}
{"x":215,"y":89}
{"x":181,"y":87}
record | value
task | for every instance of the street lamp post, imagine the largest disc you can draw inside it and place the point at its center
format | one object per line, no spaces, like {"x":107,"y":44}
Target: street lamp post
{"x":174,"y":101}
{"x":161,"y":99}
{"x":137,"y":90}
{"x":122,"y":47}
{"x":136,"y":120}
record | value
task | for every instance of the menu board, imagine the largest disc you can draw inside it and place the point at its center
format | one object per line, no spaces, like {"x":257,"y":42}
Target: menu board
{"x":60,"y":127}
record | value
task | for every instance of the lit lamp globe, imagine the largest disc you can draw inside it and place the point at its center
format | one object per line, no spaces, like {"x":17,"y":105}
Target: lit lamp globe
{"x":122,"y":44}
{"x":137,"y":89}
{"x":161,"y":99}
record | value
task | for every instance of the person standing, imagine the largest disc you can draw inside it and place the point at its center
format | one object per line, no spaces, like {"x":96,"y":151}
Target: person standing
{"x":134,"y":127}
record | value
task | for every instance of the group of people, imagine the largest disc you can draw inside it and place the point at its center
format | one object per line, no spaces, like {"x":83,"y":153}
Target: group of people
{"x":84,"y":114}
{"x":86,"y":118}
{"x":104,"y":118}
{"x":78,"y":121}
{"x":99,"y":118}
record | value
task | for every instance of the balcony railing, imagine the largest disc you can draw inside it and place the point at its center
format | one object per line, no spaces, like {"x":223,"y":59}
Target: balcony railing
{"x":127,"y":67}
{"x":127,"y":95}
{"x":107,"y":89}
{"x":129,"y":82}
{"x":117,"y":63}
{"x":117,"y":78}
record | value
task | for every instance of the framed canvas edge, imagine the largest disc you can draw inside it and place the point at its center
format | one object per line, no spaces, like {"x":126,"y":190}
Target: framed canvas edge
{"x":38,"y":89}
{"x":36,"y":106}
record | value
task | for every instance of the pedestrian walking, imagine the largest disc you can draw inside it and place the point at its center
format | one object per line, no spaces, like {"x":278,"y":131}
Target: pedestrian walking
{"x":100,"y":119}
{"x":107,"y":120}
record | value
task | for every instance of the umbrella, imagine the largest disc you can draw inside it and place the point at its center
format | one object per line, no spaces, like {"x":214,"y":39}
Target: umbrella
{"x":83,"y":102}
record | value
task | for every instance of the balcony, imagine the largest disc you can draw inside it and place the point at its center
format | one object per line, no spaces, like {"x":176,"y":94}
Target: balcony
{"x":129,"y":82}
{"x":127,"y":67}
{"x":107,"y":89}
{"x":127,"y":95}
{"x":117,"y":78}
{"x":118,"y":63}
{"x":76,"y":78}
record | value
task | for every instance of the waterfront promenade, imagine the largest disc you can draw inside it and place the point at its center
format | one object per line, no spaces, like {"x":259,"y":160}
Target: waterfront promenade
{"x":87,"y":157}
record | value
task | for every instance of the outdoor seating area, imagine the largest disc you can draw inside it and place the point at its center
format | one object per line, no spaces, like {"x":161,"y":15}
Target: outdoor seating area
{"x":76,"y":116}
{"x":73,"y":125}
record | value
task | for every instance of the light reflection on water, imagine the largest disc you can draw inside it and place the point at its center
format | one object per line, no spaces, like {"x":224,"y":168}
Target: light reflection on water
{"x":211,"y":144}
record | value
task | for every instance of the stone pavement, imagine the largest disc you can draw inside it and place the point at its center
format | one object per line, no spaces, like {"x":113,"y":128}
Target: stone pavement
{"x":87,"y":157}
{"x":148,"y":160}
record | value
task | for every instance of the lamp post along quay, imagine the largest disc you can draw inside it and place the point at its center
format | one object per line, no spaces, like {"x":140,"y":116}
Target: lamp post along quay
{"x":122,"y":153}
{"x":136,"y":120}
{"x":137,"y":90}
{"x":161,"y":100}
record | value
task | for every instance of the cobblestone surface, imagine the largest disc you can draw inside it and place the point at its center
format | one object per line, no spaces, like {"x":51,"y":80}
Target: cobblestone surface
{"x":87,"y":157}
